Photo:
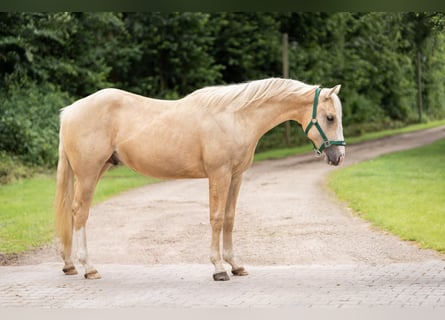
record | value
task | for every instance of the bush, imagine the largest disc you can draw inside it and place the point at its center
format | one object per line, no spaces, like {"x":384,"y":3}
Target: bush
{"x":12,"y":169}
{"x":361,"y":115}
{"x":29,"y":122}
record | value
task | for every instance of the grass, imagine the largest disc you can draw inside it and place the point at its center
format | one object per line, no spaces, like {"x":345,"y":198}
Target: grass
{"x":392,"y":132}
{"x":26,"y":214}
{"x":403,"y":193}
{"x":26,"y":207}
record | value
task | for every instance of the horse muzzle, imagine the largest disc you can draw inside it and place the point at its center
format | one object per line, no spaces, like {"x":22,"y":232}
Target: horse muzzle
{"x":335,"y":155}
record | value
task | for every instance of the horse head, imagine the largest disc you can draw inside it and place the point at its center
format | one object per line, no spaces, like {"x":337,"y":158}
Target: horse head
{"x":324,"y":125}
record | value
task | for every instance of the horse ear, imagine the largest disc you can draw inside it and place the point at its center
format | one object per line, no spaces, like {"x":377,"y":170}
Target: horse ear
{"x":335,"y":90}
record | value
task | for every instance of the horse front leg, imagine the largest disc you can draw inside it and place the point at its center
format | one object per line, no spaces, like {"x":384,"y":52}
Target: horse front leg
{"x":218,"y":192}
{"x":229,"y":220}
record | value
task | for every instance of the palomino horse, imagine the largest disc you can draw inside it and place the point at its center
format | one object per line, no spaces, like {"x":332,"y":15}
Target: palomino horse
{"x":211,"y":133}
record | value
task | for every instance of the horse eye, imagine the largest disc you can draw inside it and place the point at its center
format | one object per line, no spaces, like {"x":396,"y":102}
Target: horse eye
{"x":330,"y":118}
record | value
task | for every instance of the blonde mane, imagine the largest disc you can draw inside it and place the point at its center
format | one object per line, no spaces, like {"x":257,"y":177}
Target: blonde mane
{"x":236,"y":96}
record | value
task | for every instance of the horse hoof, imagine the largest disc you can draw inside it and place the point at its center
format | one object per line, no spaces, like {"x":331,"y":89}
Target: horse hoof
{"x":221,"y":276}
{"x":92,"y":275}
{"x":240,"y":272}
{"x":70,"y":271}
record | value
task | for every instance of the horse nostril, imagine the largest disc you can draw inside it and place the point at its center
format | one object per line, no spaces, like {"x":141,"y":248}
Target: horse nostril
{"x":341,"y":158}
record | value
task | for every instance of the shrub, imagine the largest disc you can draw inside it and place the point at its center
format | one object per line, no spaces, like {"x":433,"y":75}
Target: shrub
{"x":29,"y":122}
{"x":12,"y":169}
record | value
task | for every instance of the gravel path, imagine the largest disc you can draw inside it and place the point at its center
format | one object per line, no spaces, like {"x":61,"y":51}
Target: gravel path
{"x":288,"y":226}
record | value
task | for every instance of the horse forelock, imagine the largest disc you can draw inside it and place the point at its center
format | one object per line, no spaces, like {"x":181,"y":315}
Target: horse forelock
{"x":236,"y":96}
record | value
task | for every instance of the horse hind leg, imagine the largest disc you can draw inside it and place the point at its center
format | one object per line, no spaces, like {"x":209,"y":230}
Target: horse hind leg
{"x":82,"y":254}
{"x":83,"y":196}
{"x":69,"y":268}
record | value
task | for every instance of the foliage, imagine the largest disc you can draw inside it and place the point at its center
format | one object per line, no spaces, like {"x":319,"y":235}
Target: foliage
{"x":12,"y":169}
{"x":246,"y":45}
{"x":48,"y":60}
{"x":401,"y":192}
{"x":29,"y":122}
{"x":434,"y":77}
{"x":171,"y":54}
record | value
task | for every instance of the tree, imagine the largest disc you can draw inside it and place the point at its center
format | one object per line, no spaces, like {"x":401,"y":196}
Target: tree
{"x":72,"y":50}
{"x":247,"y":45}
{"x":173,"y":53}
{"x":381,"y":59}
{"x":419,"y":28}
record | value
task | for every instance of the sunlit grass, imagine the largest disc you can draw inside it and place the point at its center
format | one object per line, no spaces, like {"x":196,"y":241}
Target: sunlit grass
{"x":26,"y":214}
{"x":402,"y":192}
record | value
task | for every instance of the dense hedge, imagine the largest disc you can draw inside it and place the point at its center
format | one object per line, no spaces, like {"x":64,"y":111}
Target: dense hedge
{"x":48,"y":60}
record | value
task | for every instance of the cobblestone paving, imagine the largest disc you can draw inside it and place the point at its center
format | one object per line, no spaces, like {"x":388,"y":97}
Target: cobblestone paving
{"x":340,"y":286}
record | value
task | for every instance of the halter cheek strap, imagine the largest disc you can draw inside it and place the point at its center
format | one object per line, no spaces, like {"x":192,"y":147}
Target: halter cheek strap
{"x":314,"y":122}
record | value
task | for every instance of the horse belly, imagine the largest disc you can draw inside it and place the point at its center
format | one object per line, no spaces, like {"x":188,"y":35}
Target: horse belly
{"x":163,"y":160}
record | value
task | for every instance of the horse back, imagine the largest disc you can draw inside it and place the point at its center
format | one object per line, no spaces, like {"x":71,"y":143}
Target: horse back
{"x":165,"y":139}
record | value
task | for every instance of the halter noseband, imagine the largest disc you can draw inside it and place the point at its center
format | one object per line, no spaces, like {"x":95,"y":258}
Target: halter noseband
{"x":314,"y":122}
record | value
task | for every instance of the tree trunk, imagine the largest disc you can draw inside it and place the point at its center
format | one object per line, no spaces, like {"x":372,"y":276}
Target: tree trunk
{"x":286,"y":75}
{"x":419,"y":85}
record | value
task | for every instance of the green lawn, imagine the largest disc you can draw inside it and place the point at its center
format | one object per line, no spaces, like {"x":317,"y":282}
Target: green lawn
{"x":26,"y":207}
{"x":26,"y":216}
{"x":402,"y":192}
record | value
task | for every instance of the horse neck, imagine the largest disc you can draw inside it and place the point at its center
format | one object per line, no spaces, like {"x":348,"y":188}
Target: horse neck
{"x":260,"y":117}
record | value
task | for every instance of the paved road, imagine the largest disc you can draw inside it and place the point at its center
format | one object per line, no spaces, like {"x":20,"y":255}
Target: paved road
{"x":395,"y":285}
{"x":410,"y":283}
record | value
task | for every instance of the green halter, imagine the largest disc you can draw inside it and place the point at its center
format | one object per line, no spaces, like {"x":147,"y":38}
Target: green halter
{"x":314,"y":122}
